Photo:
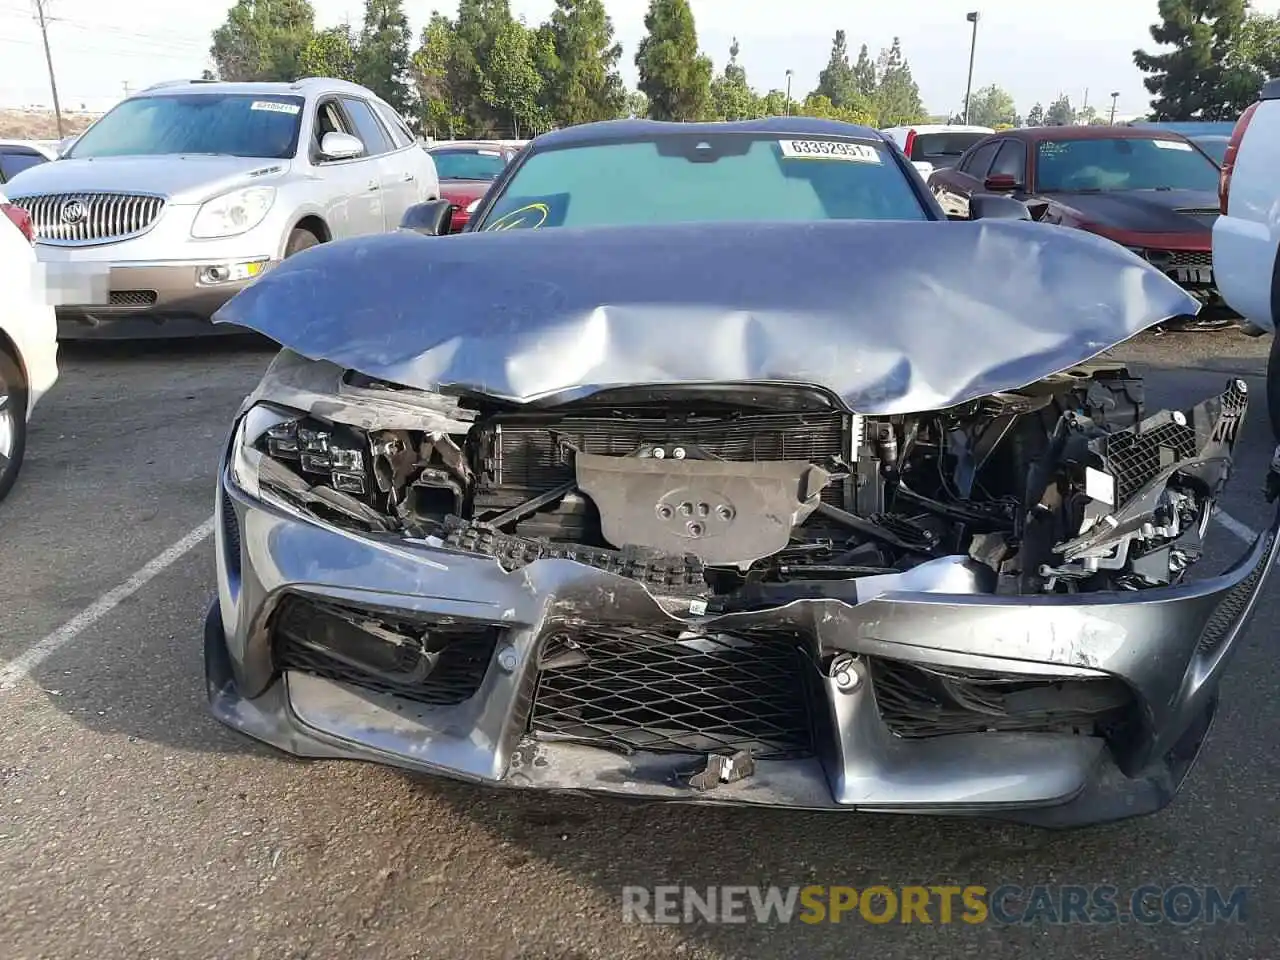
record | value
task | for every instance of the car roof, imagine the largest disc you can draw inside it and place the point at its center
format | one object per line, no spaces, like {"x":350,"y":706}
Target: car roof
{"x":1093,"y":132}
{"x":299,"y":88}
{"x":618,"y":130}
{"x":922,"y":129}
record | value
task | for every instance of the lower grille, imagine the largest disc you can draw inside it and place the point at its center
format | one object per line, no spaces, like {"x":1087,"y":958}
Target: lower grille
{"x":636,"y":689}
{"x":440,"y":663}
{"x":916,"y":702}
{"x":231,"y":530}
{"x":132,"y":298}
{"x":1185,"y":258}
{"x":1231,"y":607}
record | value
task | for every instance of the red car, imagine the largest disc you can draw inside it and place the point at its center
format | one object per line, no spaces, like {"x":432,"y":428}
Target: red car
{"x":1152,"y":191}
{"x":466,"y":168}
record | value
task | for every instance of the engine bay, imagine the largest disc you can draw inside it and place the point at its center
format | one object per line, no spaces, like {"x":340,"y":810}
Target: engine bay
{"x":749,"y":495}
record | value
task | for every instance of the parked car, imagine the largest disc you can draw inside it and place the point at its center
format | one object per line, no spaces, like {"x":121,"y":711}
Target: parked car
{"x":28,"y":340}
{"x":935,"y":146}
{"x":1211,"y":136}
{"x":18,"y":155}
{"x":466,"y":168}
{"x":1152,"y":191}
{"x":186,"y":192}
{"x":639,"y":491}
{"x":1246,"y":237}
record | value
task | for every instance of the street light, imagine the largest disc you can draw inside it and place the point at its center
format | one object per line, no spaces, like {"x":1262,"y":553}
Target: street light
{"x":1114,"y":97}
{"x":789,"y":72}
{"x":972,"y":17}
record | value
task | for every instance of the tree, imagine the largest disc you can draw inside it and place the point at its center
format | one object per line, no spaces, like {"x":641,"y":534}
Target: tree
{"x":1035,"y":116}
{"x":442,"y":106}
{"x":637,"y":105}
{"x":731,"y":97}
{"x":992,"y":106}
{"x":837,"y":81}
{"x":512,"y":83}
{"x":673,"y":74}
{"x":330,"y":53}
{"x":1199,"y":79}
{"x":1256,"y":49}
{"x":860,"y":111}
{"x":897,"y":99}
{"x":263,"y":40}
{"x":864,"y":74}
{"x":383,"y":56}
{"x":774,"y":104}
{"x":476,"y":30}
{"x":1060,"y":112}
{"x":581,"y":69}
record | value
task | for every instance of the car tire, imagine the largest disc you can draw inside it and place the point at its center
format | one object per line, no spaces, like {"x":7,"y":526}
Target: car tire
{"x":1273,"y":386}
{"x":13,"y":420}
{"x":301,"y":239}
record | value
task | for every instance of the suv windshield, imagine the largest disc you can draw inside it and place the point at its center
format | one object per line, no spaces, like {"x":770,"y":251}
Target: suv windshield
{"x":1123,"y":164}
{"x":233,"y":124}
{"x":706,"y":178}
{"x":470,"y":164}
{"x":943,"y":149}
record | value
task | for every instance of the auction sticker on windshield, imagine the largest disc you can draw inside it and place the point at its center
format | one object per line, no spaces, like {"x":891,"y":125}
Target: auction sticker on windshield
{"x":829,"y":150}
{"x":272,"y":106}
{"x":1172,"y":145}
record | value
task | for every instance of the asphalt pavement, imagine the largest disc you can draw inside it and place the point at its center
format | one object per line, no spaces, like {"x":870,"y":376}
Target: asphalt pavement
{"x":133,"y":825}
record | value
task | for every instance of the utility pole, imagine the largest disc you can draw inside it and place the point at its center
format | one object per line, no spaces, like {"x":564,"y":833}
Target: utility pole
{"x":972,"y":17}
{"x":1114,"y":97}
{"x":789,"y":93}
{"x":48,"y":58}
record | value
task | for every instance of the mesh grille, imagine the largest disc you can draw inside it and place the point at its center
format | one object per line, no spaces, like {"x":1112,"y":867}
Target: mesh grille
{"x":1231,"y":607}
{"x":644,"y":690}
{"x":464,"y":652}
{"x":76,"y":218}
{"x":1187,"y":258}
{"x":132,"y":298}
{"x":916,"y":703}
{"x":231,"y":530}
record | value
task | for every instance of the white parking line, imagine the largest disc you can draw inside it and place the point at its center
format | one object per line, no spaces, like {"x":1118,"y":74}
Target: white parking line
{"x":22,"y":665}
{"x":1234,"y":527}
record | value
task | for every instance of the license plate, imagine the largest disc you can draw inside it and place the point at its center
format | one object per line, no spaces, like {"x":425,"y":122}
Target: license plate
{"x":1192,"y":274}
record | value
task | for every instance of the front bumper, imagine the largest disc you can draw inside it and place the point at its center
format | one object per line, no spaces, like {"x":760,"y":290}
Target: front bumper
{"x":1168,"y":646}
{"x":154,"y":299}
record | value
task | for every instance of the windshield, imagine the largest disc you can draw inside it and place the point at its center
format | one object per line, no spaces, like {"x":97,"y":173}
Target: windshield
{"x":238,"y":125}
{"x":1123,"y":164}
{"x":943,"y":149}
{"x":470,"y":164}
{"x":705,"y":178}
{"x":1215,"y":147}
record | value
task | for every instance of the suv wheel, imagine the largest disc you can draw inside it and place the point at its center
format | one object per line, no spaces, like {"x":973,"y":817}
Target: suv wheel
{"x":299,"y":240}
{"x":13,"y":420}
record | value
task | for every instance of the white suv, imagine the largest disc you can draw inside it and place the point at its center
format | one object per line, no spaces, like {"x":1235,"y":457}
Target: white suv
{"x":1246,"y":235}
{"x":181,"y":195}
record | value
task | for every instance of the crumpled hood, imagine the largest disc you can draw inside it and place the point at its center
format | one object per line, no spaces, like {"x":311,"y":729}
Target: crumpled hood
{"x":183,"y":178}
{"x":1148,"y":211}
{"x":891,"y":317}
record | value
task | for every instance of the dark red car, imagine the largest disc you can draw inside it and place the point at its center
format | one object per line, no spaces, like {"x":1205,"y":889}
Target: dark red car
{"x":1152,"y":191}
{"x":466,"y":168}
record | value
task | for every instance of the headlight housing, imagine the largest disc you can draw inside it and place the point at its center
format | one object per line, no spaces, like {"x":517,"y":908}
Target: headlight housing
{"x":315,"y":452}
{"x":233,"y":213}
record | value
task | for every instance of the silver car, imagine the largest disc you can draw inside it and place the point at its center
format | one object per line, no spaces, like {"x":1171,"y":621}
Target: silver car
{"x":180,"y":196}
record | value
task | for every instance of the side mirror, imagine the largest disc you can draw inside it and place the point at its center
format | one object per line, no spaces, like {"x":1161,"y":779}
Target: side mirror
{"x":431,"y":219}
{"x":988,"y":206}
{"x":340,"y":146}
{"x":1001,"y":183}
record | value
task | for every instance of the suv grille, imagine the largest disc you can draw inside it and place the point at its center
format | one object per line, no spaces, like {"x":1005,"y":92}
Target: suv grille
{"x":77,"y":218}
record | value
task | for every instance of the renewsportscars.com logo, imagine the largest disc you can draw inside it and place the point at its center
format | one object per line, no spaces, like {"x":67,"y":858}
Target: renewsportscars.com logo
{"x":1180,"y":904}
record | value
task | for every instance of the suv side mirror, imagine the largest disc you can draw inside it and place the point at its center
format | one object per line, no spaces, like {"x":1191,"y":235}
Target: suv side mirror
{"x":431,"y":219}
{"x":990,"y":206}
{"x":1001,"y":183}
{"x":340,"y":146}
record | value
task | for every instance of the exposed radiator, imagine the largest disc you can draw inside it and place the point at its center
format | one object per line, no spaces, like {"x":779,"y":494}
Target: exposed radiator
{"x":527,"y":460}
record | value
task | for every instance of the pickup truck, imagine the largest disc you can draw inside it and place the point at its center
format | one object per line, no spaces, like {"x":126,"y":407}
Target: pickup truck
{"x":1246,"y":234}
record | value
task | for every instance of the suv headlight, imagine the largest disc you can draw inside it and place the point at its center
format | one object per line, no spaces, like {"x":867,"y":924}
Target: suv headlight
{"x":233,"y":213}
{"x":275,"y":439}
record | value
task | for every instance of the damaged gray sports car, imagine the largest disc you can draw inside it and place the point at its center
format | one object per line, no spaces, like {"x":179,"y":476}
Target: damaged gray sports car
{"x":811,"y":502}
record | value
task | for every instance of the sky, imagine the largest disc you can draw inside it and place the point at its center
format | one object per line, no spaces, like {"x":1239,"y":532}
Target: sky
{"x":1035,"y":49}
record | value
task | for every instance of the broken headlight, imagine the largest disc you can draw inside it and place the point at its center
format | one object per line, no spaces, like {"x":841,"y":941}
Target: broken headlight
{"x":318,"y":453}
